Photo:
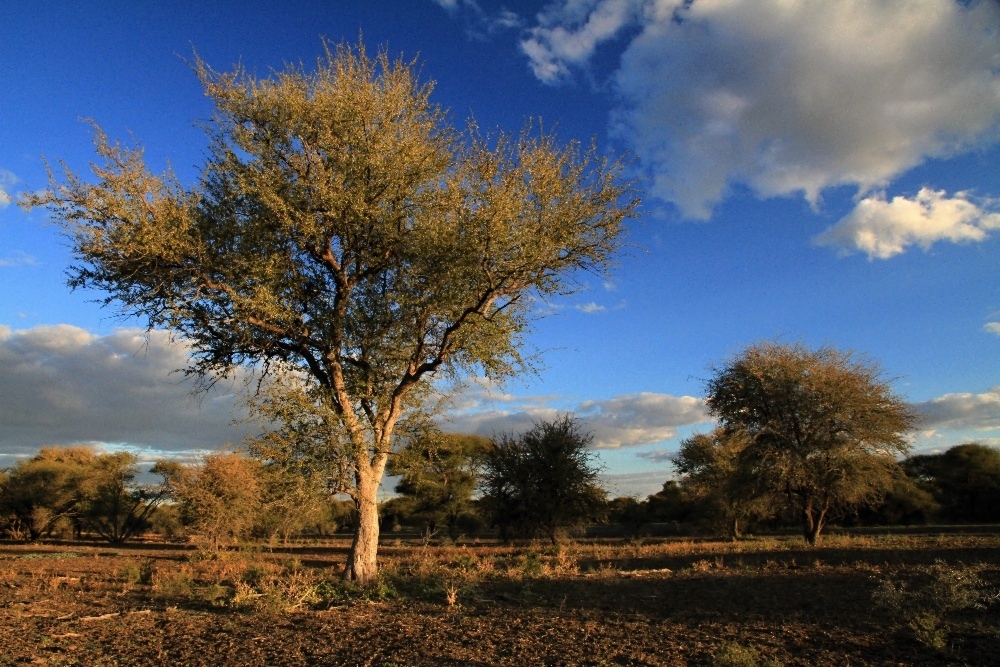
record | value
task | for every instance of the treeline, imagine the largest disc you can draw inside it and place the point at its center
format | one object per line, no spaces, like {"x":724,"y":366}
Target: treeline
{"x":959,"y":486}
{"x":226,"y":497}
{"x":540,"y":484}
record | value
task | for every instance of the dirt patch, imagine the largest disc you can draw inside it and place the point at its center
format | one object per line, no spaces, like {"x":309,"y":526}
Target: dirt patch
{"x":663,"y":603}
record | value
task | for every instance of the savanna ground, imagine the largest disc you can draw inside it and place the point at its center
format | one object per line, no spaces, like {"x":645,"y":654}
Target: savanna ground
{"x":761,"y":601}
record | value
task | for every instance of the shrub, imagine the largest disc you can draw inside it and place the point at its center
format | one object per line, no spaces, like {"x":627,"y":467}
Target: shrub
{"x":923,"y":605}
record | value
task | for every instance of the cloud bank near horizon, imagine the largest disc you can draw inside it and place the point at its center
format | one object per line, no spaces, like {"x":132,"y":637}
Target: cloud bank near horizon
{"x":783,"y":97}
{"x":62,"y":385}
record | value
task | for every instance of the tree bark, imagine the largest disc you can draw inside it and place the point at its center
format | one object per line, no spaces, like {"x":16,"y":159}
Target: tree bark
{"x":734,"y":528}
{"x":812,"y":523}
{"x":362,"y":564}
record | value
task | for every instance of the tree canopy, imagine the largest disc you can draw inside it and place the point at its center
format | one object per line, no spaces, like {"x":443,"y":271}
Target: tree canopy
{"x":712,"y":475}
{"x":541,"y":481}
{"x":343,"y":232}
{"x":825,"y":427}
{"x":438,"y":475}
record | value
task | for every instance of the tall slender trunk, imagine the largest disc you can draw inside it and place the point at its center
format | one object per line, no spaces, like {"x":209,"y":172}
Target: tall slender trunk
{"x":362,"y":564}
{"x":734,"y":527}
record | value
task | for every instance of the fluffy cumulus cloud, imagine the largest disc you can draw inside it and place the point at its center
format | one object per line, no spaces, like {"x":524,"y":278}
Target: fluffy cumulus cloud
{"x":622,"y":421}
{"x":883,"y":228}
{"x":784,"y":96}
{"x":62,"y":385}
{"x":962,"y":411}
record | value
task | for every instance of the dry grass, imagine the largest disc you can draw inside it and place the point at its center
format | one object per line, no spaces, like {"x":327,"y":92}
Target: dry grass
{"x":706,"y":602}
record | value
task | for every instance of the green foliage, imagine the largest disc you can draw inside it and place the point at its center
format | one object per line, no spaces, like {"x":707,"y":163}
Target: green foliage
{"x":221,"y":499}
{"x":438,"y":473}
{"x":80,"y":489}
{"x":541,"y":481}
{"x":824,"y":427}
{"x":965,"y":480}
{"x":732,"y":654}
{"x":925,"y":604}
{"x":345,"y":237}
{"x":906,"y":503}
{"x":112,"y":504}
{"x":714,"y":479}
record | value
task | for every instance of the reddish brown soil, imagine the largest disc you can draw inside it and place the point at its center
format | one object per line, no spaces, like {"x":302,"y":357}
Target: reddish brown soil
{"x":72,"y":605}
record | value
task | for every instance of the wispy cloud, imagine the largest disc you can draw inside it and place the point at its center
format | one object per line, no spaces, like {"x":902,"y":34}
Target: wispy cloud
{"x":480,"y":24}
{"x":884,"y":228}
{"x":992,"y":327}
{"x":658,"y":455}
{"x":7,"y":181}
{"x":591,"y":308}
{"x":16,"y":259}
{"x":783,"y":96}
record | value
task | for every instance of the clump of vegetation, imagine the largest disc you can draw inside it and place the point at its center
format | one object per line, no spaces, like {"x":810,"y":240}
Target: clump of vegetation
{"x":927,"y":604}
{"x":732,"y":654}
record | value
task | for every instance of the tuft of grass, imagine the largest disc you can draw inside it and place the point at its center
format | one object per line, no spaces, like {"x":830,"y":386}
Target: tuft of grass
{"x":732,"y":654}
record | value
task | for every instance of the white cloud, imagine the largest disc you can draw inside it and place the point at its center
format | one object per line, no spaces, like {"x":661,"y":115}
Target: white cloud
{"x":591,"y":308}
{"x":570,"y":33}
{"x":622,"y":421}
{"x":962,"y":411}
{"x":785,"y":96}
{"x":17,"y":259}
{"x":882,"y":228}
{"x":480,"y":24}
{"x":639,"y":419}
{"x":7,"y":181}
{"x":992,"y":327}
{"x":638,"y":485}
{"x":658,"y":455}
{"x":63,"y":385}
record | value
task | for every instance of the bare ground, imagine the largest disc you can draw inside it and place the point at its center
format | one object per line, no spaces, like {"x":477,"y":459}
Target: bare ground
{"x":674,"y":602}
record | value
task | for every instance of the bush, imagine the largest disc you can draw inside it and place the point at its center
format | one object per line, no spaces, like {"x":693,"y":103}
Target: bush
{"x":924,"y":605}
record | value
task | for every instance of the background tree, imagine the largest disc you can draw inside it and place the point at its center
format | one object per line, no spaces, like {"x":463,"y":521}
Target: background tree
{"x":342,"y":230}
{"x":542,"y":481}
{"x":112,"y":503}
{"x":439,"y":476}
{"x":220,"y":499}
{"x":965,"y":480}
{"x":714,"y":480}
{"x":46,"y":489}
{"x":290,"y":503}
{"x":824,"y":427}
{"x":670,"y":504}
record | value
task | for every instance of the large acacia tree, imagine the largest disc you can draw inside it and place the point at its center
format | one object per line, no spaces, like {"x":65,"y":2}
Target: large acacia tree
{"x":824,"y":426}
{"x":343,"y":232}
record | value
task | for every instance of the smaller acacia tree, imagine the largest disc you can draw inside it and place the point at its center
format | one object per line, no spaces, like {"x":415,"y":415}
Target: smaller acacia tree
{"x":112,"y":503}
{"x":824,"y":427}
{"x":713,"y":478}
{"x":438,"y":477}
{"x":44,"y":490}
{"x":220,"y":498}
{"x":542,"y":481}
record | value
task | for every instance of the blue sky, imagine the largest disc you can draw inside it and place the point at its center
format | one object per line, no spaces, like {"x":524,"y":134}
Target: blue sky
{"x":824,"y":172}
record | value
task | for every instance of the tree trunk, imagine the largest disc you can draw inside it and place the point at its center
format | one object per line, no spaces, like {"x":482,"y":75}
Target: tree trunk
{"x":362,"y":566}
{"x":812,"y":523}
{"x":734,"y":528}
